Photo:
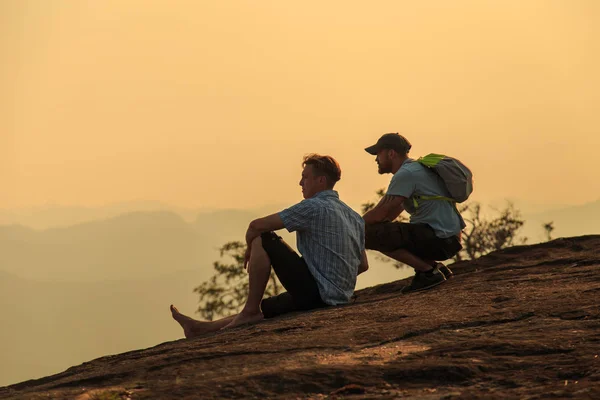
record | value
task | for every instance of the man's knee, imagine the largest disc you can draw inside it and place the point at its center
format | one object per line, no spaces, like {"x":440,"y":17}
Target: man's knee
{"x":268,"y":237}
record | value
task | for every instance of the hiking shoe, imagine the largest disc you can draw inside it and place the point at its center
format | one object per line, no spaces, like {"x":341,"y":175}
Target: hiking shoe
{"x":424,"y":280}
{"x":445,"y":270}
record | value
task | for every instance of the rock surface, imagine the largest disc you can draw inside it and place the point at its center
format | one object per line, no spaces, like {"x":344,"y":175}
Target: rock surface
{"x":519,"y":323}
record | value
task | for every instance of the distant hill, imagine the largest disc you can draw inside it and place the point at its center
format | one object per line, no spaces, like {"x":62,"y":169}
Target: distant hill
{"x":568,"y":221}
{"x":231,"y":224}
{"x":57,"y":216}
{"x":124,"y":246}
{"x":54,"y":216}
{"x":130,"y":246}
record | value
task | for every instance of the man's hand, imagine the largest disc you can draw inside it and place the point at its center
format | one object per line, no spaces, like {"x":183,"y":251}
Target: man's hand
{"x":388,"y":209}
{"x":251,"y":234}
{"x":364,"y":263}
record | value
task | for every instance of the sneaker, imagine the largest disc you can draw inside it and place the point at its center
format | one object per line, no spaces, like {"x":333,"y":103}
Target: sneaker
{"x":445,"y":270}
{"x":423,"y":281}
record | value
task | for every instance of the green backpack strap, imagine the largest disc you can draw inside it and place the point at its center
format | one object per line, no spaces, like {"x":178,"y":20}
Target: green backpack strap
{"x":416,"y":202}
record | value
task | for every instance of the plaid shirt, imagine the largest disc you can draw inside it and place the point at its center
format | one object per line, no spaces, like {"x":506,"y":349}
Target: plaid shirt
{"x":330,"y":237}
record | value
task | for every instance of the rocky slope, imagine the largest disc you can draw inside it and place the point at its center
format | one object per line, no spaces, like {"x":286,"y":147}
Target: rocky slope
{"x":519,"y":323}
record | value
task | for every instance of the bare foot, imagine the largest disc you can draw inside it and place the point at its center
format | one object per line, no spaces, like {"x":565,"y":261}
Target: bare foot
{"x":245,"y":318}
{"x":191,"y":327}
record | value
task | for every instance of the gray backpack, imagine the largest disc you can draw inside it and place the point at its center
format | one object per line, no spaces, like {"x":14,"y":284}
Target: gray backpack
{"x":456,"y":176}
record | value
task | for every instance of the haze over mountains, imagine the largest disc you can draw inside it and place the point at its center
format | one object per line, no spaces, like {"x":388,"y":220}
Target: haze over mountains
{"x":568,"y":221}
{"x":127,"y":245}
{"x":90,"y":282}
{"x":103,"y":286}
{"x":49,"y":325}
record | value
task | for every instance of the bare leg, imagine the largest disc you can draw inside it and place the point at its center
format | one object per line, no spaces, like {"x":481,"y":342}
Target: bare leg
{"x":410,"y":259}
{"x":193,"y":328}
{"x":259,"y":270}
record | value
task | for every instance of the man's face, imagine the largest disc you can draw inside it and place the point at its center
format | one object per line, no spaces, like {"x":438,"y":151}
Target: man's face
{"x":310,"y":183}
{"x":384,"y":161}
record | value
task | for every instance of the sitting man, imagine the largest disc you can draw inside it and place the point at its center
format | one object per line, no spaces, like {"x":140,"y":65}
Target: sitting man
{"x":330,"y":237}
{"x":433,"y":233}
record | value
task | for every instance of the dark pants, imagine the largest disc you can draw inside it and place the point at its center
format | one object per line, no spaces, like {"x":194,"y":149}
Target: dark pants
{"x":418,"y":239}
{"x":292,"y":271}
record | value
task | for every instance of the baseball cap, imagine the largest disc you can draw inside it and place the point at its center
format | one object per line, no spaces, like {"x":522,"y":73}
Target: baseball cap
{"x":393,"y":141}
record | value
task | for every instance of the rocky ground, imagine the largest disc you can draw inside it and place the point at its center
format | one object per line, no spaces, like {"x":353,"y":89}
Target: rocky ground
{"x":519,"y":323}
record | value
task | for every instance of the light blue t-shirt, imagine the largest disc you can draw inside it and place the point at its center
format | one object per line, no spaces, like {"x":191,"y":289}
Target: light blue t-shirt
{"x":414,"y":179}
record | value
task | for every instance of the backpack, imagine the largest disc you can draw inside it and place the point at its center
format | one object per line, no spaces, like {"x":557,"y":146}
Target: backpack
{"x":457,"y":178}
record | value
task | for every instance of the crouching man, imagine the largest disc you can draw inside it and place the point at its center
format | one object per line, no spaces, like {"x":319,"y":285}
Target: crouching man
{"x":433,"y":233}
{"x":330,"y":239}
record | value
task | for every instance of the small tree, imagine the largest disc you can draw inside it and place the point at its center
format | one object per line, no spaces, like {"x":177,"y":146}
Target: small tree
{"x":482,"y":236}
{"x":548,"y":228}
{"x":226,"y":291}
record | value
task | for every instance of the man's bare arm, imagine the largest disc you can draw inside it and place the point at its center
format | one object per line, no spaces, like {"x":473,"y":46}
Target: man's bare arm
{"x":388,"y":209}
{"x":364,"y":263}
{"x":271,"y":222}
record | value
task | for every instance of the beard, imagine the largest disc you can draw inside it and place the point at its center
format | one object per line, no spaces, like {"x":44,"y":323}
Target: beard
{"x":384,"y":168}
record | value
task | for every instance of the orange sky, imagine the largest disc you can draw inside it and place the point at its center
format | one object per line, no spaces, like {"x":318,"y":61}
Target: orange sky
{"x":215,"y":103}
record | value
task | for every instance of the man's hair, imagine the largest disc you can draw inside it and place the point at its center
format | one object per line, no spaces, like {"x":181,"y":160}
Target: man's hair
{"x":324,"y":166}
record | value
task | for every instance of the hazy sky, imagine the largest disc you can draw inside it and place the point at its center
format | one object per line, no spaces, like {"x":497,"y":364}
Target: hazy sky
{"x":214,"y":103}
